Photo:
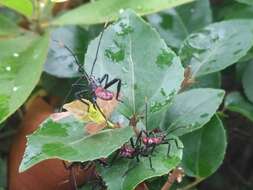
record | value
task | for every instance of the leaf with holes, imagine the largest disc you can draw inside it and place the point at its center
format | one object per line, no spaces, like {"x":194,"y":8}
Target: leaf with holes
{"x":192,"y":109}
{"x":109,"y":10}
{"x":126,"y":54}
{"x":235,"y":102}
{"x":18,"y":57}
{"x":217,"y":46}
{"x":203,"y":155}
{"x":67,"y":139}
{"x":126,"y":175}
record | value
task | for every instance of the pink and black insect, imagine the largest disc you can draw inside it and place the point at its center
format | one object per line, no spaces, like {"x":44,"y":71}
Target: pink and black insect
{"x":156,"y":137}
{"x":96,"y":87}
{"x":133,"y":151}
{"x":84,"y":166}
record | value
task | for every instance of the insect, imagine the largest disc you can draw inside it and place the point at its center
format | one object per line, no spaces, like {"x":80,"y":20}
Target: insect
{"x":155,"y":137}
{"x":97,"y":87}
{"x":132,"y":151}
{"x":71,"y":167}
{"x":83,"y":166}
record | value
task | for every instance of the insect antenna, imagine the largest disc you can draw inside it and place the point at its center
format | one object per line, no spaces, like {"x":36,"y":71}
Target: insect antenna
{"x":146,"y":113}
{"x":80,"y":67}
{"x":172,"y":130}
{"x":98,"y":47}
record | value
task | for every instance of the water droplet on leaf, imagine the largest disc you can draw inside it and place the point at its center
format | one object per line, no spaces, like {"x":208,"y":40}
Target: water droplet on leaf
{"x":15,"y":88}
{"x":8,"y":68}
{"x":121,"y":11}
{"x":15,"y":55}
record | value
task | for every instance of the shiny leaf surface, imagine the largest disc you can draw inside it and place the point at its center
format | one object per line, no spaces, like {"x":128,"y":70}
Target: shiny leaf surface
{"x":247,"y":79}
{"x":203,"y":155}
{"x":217,"y":46}
{"x":235,"y":102}
{"x":15,"y":62}
{"x":107,"y":10}
{"x":192,"y":109}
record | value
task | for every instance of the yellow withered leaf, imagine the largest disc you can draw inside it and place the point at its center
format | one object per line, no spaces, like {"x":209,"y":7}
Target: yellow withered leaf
{"x":85,"y":112}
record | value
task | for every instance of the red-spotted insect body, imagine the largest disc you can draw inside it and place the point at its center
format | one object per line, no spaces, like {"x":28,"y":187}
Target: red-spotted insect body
{"x":127,"y":152}
{"x":152,"y":140}
{"x":103,"y":94}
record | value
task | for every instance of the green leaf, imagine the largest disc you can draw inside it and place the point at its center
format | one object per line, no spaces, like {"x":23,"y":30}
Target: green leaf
{"x":204,"y":149}
{"x":217,"y":46}
{"x":60,"y":62}
{"x":108,"y":10}
{"x":192,"y":109}
{"x":212,"y":80}
{"x":247,"y":2}
{"x":175,"y":25}
{"x":53,"y":85}
{"x":235,"y":102}
{"x":240,"y":69}
{"x":247,"y":79}
{"x":133,"y":52}
{"x":235,"y":10}
{"x":20,"y":71}
{"x":7,"y":26}
{"x":67,"y":140}
{"x":24,"y":7}
{"x":116,"y":177}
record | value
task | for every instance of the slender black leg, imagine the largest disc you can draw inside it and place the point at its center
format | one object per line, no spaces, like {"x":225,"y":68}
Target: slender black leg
{"x":97,"y":107}
{"x":70,"y":91}
{"x":115,"y":157}
{"x":150,"y":163}
{"x":168,"y":150}
{"x":129,"y":169}
{"x":80,"y":95}
{"x":139,"y":139}
{"x":132,"y":142}
{"x":73,"y":179}
{"x":105,"y":77}
{"x":67,"y":167}
{"x":152,"y":149}
{"x":175,"y":141}
{"x":112,"y":82}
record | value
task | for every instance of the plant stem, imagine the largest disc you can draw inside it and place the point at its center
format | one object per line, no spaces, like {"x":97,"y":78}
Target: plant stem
{"x":174,"y":176}
{"x":191,"y":185}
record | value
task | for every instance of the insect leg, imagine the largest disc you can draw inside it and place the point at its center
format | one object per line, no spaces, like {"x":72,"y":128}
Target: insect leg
{"x":112,"y":82}
{"x":105,"y":77}
{"x":175,"y":141}
{"x":115,"y":157}
{"x":99,"y":109}
{"x":70,"y":91}
{"x":138,"y":139}
{"x":150,"y":163}
{"x":73,"y":179}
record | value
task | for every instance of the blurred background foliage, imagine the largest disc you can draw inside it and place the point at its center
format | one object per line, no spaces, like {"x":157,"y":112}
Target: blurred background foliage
{"x":22,"y":21}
